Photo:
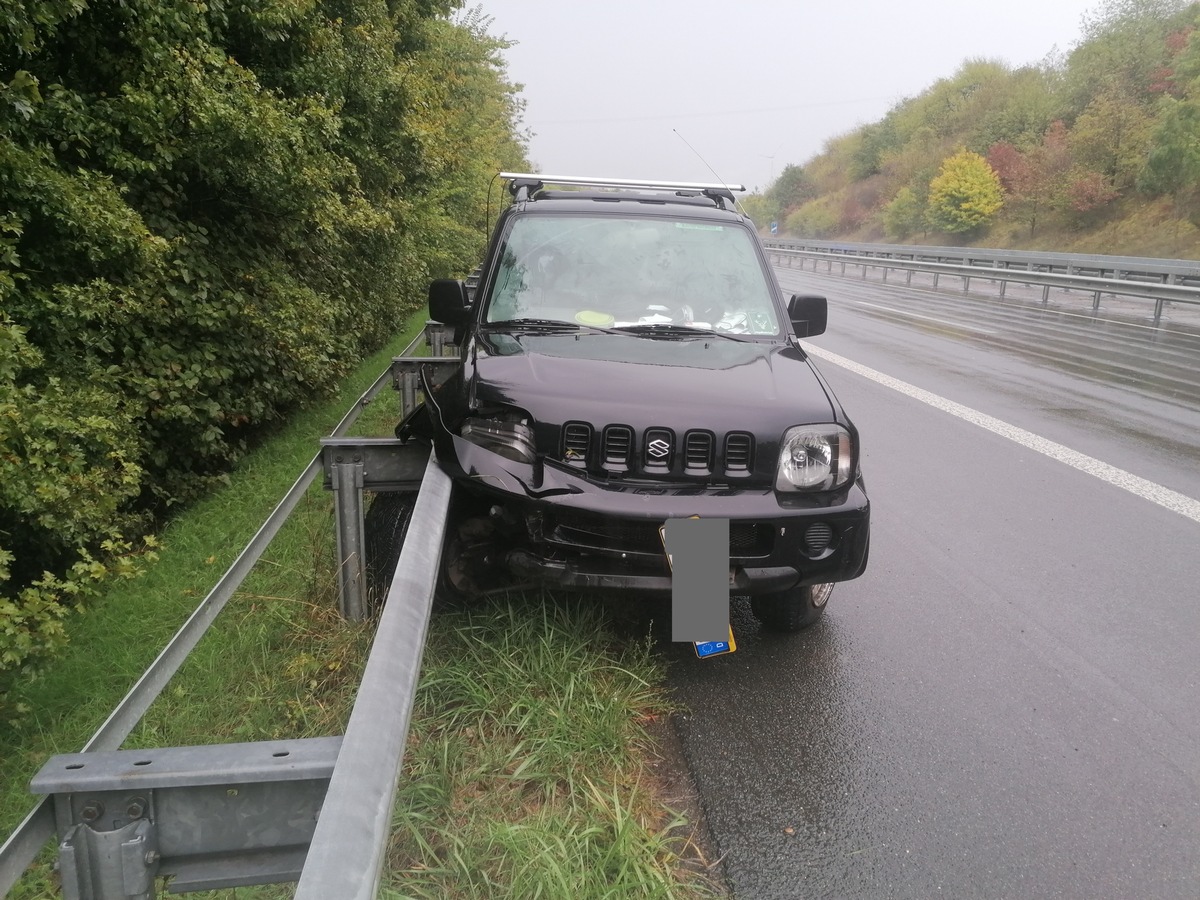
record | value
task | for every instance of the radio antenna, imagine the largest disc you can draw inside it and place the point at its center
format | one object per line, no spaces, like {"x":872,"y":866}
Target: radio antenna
{"x":707,"y":166}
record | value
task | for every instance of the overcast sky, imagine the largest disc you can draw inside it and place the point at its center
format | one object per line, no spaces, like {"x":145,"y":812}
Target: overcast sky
{"x":622,"y":88}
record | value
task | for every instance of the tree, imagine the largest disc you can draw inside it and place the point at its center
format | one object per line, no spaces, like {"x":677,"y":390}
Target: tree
{"x":1173,"y":160}
{"x":1173,"y":163}
{"x":1008,"y":163}
{"x":965,"y":194}
{"x":904,"y":214}
{"x":790,"y":190}
{"x":1112,"y":136}
{"x":1124,"y":49}
{"x":1040,"y":179}
{"x":1086,"y":193}
{"x":815,"y":219}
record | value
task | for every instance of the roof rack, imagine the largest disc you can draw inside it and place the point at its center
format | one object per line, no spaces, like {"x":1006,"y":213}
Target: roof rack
{"x":522,"y":185}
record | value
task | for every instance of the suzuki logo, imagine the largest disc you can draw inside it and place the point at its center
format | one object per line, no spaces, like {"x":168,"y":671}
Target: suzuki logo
{"x":658,"y":448}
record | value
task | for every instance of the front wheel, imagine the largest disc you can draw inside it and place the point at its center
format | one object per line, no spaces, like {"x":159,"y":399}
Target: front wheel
{"x":791,"y":610}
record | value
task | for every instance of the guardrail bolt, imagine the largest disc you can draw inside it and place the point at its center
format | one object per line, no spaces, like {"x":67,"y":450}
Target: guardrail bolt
{"x":135,"y":808}
{"x":91,"y":811}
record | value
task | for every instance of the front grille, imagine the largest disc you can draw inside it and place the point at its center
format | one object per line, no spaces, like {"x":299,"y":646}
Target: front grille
{"x":656,"y":452}
{"x":576,"y":441}
{"x":618,"y":442}
{"x":699,"y":452}
{"x":750,"y":539}
{"x":598,"y":532}
{"x":606,"y":533}
{"x":739,"y":448}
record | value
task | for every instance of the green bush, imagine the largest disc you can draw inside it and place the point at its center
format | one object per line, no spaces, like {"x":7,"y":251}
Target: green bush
{"x":211,"y":213}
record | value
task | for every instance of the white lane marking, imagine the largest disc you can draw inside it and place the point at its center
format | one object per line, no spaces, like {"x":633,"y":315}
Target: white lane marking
{"x":912,"y":315}
{"x":1126,"y":481}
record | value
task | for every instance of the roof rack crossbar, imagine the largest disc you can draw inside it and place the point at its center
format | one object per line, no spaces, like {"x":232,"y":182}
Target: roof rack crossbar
{"x":588,"y":181}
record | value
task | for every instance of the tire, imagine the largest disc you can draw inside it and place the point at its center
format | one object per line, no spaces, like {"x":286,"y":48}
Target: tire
{"x":792,"y":610}
{"x":386,"y":524}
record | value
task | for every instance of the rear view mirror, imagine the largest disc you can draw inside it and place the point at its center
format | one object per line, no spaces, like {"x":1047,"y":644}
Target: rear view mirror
{"x":809,"y":313}
{"x":449,"y":302}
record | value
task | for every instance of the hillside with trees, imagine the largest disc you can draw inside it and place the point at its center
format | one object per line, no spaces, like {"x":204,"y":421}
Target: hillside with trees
{"x":210,"y":212}
{"x":1094,"y":151}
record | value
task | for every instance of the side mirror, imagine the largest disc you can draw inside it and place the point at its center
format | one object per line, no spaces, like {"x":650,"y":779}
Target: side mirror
{"x":449,"y":302}
{"x":809,"y":313}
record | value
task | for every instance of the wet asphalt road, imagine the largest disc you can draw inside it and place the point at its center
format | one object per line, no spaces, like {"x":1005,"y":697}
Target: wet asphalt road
{"x":1007,"y":704}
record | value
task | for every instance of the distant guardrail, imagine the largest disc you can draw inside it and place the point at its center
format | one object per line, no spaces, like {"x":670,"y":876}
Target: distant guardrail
{"x":1121,"y":268}
{"x":1167,"y":283}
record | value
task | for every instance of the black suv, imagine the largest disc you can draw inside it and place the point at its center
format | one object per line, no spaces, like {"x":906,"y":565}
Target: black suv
{"x":628,"y":357}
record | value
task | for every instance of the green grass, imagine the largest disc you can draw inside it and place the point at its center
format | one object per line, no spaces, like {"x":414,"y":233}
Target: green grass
{"x":526,"y":771}
{"x":526,"y":766}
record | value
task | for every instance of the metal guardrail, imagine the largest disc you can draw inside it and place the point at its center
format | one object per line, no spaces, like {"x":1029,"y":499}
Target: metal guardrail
{"x":1121,"y":268}
{"x":1159,"y":292}
{"x":118,"y":852}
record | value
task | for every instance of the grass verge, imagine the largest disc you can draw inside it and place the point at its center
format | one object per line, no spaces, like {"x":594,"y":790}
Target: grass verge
{"x":526,"y":768}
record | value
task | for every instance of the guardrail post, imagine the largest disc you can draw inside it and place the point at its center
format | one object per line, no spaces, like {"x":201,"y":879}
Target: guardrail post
{"x":438,"y":336}
{"x":347,"y":483}
{"x":407,"y":383}
{"x":936,"y":276}
{"x":1003,"y":288}
{"x":1158,"y":311}
{"x":908,"y":277}
{"x":352,"y":465}
{"x":1095,"y":301}
{"x":966,"y":283}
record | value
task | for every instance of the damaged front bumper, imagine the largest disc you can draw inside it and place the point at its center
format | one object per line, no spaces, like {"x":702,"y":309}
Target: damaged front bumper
{"x":557,"y":527}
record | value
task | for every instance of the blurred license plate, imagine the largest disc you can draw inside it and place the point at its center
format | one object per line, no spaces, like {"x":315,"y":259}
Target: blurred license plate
{"x":704,"y":649}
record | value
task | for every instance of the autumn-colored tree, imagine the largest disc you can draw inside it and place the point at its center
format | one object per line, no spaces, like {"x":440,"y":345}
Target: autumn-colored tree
{"x":965,"y":194}
{"x":1086,"y":193}
{"x":1008,"y":163}
{"x":1039,"y":181}
{"x":1118,"y":115}
{"x":1125,"y":48}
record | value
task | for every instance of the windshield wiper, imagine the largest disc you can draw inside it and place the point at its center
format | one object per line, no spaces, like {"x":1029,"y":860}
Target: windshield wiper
{"x":548,"y":325}
{"x":666,"y":329}
{"x":541,"y":324}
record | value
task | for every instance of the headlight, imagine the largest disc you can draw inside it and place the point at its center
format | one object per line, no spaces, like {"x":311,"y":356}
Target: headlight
{"x":814,"y":458}
{"x":506,"y":435}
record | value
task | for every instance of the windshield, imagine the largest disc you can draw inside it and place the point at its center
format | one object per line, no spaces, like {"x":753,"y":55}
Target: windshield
{"x":614,"y":272}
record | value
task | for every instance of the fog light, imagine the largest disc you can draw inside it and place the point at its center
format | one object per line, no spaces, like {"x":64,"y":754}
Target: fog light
{"x":817,"y":538}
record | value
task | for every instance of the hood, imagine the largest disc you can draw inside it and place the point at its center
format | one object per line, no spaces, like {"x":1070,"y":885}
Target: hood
{"x":718,"y":384}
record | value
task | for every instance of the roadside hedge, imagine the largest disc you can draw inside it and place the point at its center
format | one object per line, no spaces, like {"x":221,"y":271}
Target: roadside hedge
{"x":210,"y":211}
